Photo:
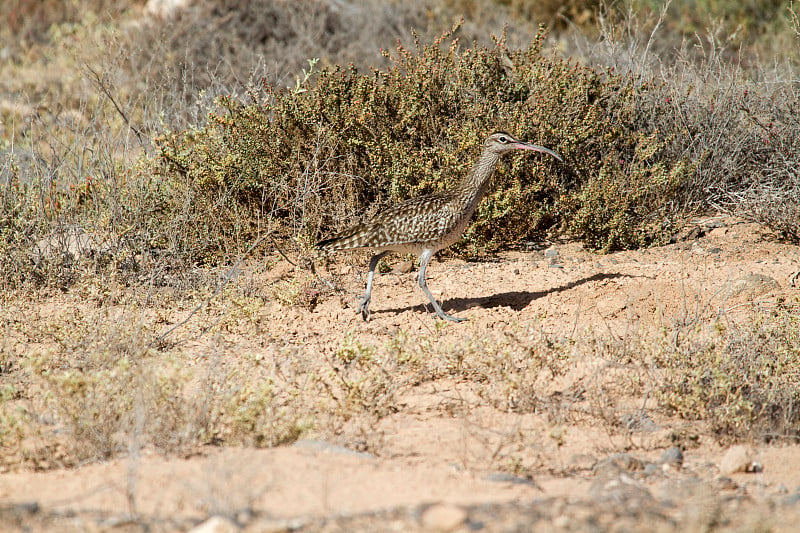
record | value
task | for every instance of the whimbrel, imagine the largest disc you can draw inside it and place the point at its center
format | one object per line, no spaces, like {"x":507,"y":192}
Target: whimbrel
{"x":427,"y":224}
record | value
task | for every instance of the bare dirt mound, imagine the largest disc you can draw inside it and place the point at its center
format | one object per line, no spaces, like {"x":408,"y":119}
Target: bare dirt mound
{"x":458,"y":438}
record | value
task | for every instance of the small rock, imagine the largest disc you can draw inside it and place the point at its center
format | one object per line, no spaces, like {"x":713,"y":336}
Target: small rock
{"x":756,"y":468}
{"x":695,"y":233}
{"x":216,"y":524}
{"x":715,"y":250}
{"x":503,"y":477}
{"x":716,"y":224}
{"x":619,"y":462}
{"x":651,"y":469}
{"x":516,"y":272}
{"x":672,"y":456}
{"x":19,"y":509}
{"x":726,"y":483}
{"x":736,"y":459}
{"x":556,"y":265}
{"x":443,"y":517}
{"x":622,"y":488}
{"x":551,"y":252}
{"x":119,"y":522}
{"x":754,"y":285}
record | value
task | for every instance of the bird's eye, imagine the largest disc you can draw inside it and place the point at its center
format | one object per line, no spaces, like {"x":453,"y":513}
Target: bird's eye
{"x":502,"y":140}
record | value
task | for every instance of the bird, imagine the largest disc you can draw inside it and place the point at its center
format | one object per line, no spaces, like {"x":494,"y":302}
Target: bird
{"x":426,"y":224}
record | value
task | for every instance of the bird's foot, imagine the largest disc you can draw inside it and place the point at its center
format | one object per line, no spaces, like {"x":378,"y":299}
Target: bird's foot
{"x":363,"y":307}
{"x":441,"y":314}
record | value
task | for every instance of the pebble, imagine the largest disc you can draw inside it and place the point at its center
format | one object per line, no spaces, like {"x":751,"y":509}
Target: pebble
{"x":551,"y":252}
{"x":737,"y":459}
{"x":216,"y":524}
{"x":619,"y":462}
{"x":503,"y":477}
{"x":754,"y":285}
{"x":31,"y":507}
{"x":651,"y":469}
{"x":672,"y":456}
{"x":621,"y":488}
{"x":726,"y":483}
{"x":695,"y":233}
{"x":443,"y":517}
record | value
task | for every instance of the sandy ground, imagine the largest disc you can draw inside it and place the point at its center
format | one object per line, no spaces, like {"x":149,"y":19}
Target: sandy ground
{"x":437,"y":467}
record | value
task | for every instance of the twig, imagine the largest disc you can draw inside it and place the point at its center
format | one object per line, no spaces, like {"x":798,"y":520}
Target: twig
{"x":101,"y":84}
{"x":228,"y":276}
{"x":794,"y":17}
{"x":660,"y":21}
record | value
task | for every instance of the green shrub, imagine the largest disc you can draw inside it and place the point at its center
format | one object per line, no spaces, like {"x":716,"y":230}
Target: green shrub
{"x":306,"y":161}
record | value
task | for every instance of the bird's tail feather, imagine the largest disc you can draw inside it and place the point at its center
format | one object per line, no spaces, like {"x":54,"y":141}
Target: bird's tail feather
{"x":343,"y":241}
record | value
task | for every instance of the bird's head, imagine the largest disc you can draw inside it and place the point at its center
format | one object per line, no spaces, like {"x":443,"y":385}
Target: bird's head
{"x":502,"y":142}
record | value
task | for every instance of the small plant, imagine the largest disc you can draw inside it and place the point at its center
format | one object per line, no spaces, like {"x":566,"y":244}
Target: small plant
{"x":11,"y":419}
{"x":743,"y":382}
{"x":255,"y":415}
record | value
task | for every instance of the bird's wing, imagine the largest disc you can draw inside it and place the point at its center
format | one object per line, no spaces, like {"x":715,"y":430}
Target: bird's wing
{"x":421,"y":219}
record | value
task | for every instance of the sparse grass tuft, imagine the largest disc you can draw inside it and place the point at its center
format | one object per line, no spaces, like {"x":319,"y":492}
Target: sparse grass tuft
{"x":744,"y":382}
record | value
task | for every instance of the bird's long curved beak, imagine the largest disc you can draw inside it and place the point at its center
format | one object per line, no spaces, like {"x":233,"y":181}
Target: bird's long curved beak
{"x":537,"y":148}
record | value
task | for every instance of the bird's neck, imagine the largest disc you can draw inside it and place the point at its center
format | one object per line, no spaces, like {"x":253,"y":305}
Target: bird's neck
{"x":477,"y":181}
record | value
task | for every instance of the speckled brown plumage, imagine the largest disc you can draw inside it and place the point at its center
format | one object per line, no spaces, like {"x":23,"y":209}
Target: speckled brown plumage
{"x":427,"y":224}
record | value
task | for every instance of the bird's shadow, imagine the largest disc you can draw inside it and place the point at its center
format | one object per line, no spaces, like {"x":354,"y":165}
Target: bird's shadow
{"x":516,"y":300}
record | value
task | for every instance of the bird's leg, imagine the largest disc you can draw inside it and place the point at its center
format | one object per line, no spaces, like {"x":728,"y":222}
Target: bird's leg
{"x":424,"y":258}
{"x":363,"y":306}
